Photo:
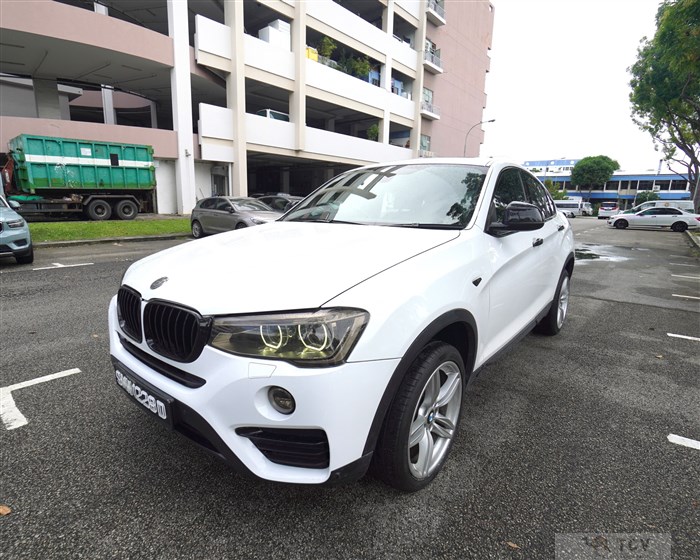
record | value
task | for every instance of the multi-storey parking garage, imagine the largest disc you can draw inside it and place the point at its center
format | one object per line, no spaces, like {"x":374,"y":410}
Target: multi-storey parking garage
{"x":251,"y":96}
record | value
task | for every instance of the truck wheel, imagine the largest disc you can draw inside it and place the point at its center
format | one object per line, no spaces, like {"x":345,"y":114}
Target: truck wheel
{"x":126,"y":209}
{"x":99,"y":210}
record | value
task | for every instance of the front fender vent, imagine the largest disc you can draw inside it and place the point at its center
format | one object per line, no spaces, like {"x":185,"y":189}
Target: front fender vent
{"x":292,"y":447}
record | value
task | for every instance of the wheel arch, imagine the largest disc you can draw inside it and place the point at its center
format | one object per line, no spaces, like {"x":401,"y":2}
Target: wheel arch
{"x":457,"y":328}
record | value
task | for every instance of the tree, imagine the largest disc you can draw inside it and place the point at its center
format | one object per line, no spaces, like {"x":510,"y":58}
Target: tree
{"x":593,"y":172}
{"x":645,"y":196}
{"x":666,"y":87}
{"x":554,"y":190}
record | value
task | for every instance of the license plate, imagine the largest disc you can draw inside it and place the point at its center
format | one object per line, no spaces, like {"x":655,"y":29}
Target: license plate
{"x":151,"y":399}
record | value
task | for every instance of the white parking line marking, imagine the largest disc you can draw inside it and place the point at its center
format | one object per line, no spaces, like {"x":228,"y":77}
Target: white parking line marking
{"x":685,"y":337}
{"x":680,"y":256}
{"x":59,"y":265}
{"x":680,"y":264}
{"x":673,"y":438}
{"x":681,"y":276}
{"x":681,"y":295}
{"x":10,"y":414}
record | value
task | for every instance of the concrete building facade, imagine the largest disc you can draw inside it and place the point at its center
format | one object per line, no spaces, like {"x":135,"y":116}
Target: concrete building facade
{"x":238,"y":97}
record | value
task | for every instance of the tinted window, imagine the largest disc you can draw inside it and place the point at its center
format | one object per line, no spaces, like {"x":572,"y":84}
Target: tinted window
{"x":223,"y":204}
{"x":208,"y":203}
{"x":509,"y":188}
{"x":539,"y":196}
{"x":670,"y":211}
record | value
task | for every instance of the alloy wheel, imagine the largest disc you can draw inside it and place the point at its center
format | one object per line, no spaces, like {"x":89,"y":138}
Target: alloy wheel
{"x":434,"y":420}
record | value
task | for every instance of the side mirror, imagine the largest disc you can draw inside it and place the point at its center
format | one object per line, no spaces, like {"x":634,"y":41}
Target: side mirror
{"x":519,"y":216}
{"x":14,"y":204}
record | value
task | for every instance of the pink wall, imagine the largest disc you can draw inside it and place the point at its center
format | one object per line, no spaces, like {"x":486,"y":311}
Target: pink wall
{"x":459,"y":91}
{"x":52,"y":19}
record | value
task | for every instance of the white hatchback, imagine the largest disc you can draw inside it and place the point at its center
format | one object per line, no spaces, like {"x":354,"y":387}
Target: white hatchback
{"x":390,"y":288}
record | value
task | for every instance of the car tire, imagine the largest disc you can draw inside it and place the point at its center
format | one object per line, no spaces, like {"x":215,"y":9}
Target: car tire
{"x":26,"y":258}
{"x":197,"y":230}
{"x":240,"y":225}
{"x":99,"y":210}
{"x":126,"y":209}
{"x":422,"y":421}
{"x":679,"y":227}
{"x":552,"y":323}
{"x":621,"y":224}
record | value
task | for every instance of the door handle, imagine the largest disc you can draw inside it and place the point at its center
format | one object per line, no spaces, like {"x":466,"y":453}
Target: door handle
{"x":561,"y":227}
{"x":537,"y":242}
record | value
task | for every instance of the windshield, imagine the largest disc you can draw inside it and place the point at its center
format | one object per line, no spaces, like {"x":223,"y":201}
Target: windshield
{"x":415,"y":195}
{"x":250,"y":205}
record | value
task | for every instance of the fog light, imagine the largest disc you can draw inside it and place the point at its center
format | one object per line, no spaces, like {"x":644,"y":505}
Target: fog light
{"x":281,"y":400}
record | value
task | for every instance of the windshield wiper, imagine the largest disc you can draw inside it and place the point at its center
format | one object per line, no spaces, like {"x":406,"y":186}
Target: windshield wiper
{"x":417,"y":225}
{"x":325,"y":221}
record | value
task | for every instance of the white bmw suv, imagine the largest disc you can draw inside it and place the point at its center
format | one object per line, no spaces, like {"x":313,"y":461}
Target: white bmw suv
{"x":343,"y":335}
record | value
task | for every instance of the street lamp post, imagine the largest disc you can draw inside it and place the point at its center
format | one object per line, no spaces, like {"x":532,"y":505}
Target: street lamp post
{"x":464,"y":153}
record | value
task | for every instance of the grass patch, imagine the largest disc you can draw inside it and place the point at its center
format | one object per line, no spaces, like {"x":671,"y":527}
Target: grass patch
{"x":73,"y":231}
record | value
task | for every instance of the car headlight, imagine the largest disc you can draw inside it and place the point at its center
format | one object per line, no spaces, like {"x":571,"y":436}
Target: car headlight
{"x":317,"y":338}
{"x":15,"y":223}
{"x":258,"y":221}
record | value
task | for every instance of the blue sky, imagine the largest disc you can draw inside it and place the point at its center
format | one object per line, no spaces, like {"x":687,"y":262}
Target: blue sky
{"x":559,"y":85}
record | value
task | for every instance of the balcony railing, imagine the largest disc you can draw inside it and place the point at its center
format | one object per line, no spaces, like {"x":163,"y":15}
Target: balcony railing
{"x":432,"y":62}
{"x":436,"y":13}
{"x":429,"y":111}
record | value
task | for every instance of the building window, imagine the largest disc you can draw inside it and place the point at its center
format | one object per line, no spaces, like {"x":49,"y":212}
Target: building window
{"x":424,"y":143}
{"x":679,"y":185}
{"x":645,"y":185}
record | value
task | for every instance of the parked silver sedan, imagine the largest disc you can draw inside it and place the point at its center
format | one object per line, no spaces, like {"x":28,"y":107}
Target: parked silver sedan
{"x":224,"y":213}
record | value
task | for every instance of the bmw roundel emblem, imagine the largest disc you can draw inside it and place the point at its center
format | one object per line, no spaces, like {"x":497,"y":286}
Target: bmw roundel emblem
{"x":158,"y":283}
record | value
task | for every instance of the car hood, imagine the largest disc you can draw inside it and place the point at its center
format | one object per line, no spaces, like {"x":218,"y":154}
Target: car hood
{"x":278,"y":266}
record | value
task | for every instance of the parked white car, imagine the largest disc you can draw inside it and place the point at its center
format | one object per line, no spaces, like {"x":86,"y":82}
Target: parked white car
{"x":389,"y":289}
{"x":658,"y":217}
{"x":608,"y":209}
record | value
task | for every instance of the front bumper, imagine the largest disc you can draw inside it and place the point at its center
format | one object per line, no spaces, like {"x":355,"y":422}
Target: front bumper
{"x":14,"y":242}
{"x":226,"y":412}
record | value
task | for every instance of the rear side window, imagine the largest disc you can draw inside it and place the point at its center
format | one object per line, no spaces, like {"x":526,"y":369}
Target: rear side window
{"x":208,"y":203}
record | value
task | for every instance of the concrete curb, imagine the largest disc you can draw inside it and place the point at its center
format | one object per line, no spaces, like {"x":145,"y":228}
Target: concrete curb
{"x":111,"y":240}
{"x":694,"y":237}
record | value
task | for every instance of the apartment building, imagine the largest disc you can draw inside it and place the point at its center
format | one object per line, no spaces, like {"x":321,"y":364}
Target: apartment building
{"x":248,"y":96}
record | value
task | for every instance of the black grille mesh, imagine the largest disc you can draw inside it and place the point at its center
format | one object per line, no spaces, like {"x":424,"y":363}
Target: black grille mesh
{"x":129,"y":309}
{"x":175,"y":332}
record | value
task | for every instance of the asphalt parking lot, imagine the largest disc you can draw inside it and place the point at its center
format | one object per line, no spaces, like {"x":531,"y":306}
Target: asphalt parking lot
{"x":592,"y":432}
